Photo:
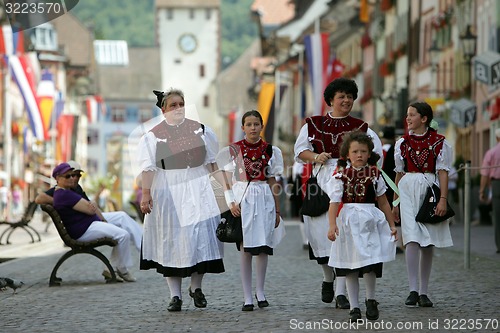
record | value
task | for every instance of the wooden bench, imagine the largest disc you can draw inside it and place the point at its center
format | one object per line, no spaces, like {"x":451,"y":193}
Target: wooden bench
{"x":23,"y":223}
{"x":77,"y":247}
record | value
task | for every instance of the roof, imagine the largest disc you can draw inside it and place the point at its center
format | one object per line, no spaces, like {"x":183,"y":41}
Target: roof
{"x":135,"y":80}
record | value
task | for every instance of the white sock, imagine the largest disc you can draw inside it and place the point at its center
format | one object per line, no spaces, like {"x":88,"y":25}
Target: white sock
{"x":196,"y":281}
{"x":340,"y":285}
{"x":260,"y":271}
{"x":426,"y":254}
{"x":352,"y":283}
{"x":174,"y":284}
{"x":370,"y":279}
{"x":246,"y":275}
{"x":412,"y":255}
{"x":327,"y":273}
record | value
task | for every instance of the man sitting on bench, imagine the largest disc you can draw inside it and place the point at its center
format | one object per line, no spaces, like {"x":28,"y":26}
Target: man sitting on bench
{"x":84,"y":224}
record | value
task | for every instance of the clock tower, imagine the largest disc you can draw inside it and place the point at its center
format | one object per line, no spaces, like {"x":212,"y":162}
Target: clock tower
{"x":188,"y":34}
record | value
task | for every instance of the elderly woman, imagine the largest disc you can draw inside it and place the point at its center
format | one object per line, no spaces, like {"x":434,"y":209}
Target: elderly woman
{"x":319,"y":143}
{"x":176,"y":158}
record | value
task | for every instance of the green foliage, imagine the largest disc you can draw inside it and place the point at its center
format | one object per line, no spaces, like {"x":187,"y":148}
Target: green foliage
{"x":134,"y":21}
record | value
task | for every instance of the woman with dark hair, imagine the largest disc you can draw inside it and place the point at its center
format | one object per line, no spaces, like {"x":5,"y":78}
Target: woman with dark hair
{"x":176,"y":158}
{"x":319,"y":143}
{"x":252,"y":194}
{"x":422,"y":157}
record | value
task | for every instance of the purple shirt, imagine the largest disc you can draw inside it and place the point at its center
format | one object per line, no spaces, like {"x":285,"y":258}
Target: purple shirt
{"x":76,"y":222}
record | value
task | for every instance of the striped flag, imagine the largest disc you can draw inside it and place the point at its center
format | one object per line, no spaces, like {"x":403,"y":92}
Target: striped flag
{"x":317,"y":53}
{"x":95,"y":108}
{"x":46,"y":92}
{"x":23,"y":74}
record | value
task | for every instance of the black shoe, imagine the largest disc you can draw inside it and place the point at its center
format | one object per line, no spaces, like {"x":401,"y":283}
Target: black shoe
{"x":424,"y":302}
{"x":399,"y":250}
{"x":412,"y":299}
{"x":354,"y":315}
{"x":327,"y":293}
{"x":371,"y":309}
{"x":247,"y":307}
{"x":199,"y":299}
{"x":262,"y":304}
{"x":342,"y":302}
{"x":175,"y":304}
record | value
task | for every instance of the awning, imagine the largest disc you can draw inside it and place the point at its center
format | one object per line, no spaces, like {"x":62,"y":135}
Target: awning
{"x":463,"y":112}
{"x":487,"y":68}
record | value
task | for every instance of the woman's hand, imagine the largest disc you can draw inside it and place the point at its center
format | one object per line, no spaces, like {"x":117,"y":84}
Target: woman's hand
{"x":235,"y":209}
{"x":322,"y":158}
{"x":394,"y":232}
{"x":441,"y":207}
{"x":146,"y":204}
{"x":333,"y":233}
{"x":278,"y":219}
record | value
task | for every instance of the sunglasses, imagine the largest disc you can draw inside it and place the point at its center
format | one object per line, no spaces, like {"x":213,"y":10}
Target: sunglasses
{"x":74,"y":175}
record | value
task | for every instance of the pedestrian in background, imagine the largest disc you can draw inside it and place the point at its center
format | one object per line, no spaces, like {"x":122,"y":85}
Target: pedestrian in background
{"x":254,"y":196}
{"x":490,"y":179}
{"x":422,"y":157}
{"x":363,"y":235}
{"x":176,"y":158}
{"x":319,"y":143}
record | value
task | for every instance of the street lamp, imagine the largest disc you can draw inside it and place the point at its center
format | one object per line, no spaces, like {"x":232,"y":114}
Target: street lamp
{"x":434,"y":52}
{"x":468,"y":42}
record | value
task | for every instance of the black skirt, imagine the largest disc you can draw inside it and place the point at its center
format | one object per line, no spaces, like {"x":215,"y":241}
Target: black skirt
{"x":377,"y":268}
{"x":211,"y":266}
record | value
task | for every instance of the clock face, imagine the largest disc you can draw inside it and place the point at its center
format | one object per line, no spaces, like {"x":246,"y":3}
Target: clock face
{"x":188,"y":43}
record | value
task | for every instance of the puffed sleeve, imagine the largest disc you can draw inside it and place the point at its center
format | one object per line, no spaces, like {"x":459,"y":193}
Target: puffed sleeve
{"x":381,"y":186}
{"x":225,"y":160}
{"x":398,"y":159}
{"x":444,"y":159}
{"x":334,"y":188}
{"x":302,"y":143}
{"x":211,"y":144}
{"x":377,"y":146}
{"x":276,"y":163}
{"x":147,"y":152}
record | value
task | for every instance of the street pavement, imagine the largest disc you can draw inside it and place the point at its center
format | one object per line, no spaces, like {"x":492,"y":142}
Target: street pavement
{"x":465,"y":300}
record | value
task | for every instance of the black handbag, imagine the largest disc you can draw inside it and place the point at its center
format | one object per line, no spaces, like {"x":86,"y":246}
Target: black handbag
{"x":230,"y":229}
{"x":316,"y":201}
{"x":426,"y":213}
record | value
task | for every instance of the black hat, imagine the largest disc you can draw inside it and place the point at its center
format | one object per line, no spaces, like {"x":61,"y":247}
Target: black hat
{"x":159,"y":97}
{"x":389,"y":132}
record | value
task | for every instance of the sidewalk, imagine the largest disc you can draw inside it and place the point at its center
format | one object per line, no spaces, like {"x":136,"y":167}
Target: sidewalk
{"x":84,"y":303}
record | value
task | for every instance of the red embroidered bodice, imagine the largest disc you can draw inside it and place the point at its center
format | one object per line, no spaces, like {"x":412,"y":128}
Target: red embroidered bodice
{"x":326,"y":132}
{"x":360,"y":184}
{"x":420,"y":152}
{"x":252,"y":159}
{"x":179,"y":147}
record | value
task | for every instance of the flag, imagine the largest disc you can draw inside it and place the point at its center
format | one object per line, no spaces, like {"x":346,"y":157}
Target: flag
{"x":317,"y":53}
{"x":364,"y":11}
{"x":46,"y":92}
{"x":11,"y":42}
{"x":23,"y":74}
{"x":265,"y":103}
{"x":66,"y":137}
{"x":95,"y":108}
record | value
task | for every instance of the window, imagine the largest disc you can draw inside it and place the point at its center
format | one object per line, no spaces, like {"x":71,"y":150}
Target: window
{"x":145,"y":114}
{"x":205,"y":101}
{"x":202,"y":70}
{"x":92,"y":136}
{"x":118,"y":114}
{"x":170,"y":13}
{"x":208,"y":13}
{"x":191,"y":13}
